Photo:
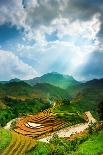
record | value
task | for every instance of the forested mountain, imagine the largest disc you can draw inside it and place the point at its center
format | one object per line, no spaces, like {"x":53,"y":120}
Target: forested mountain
{"x":88,"y":95}
{"x":56,"y":79}
{"x":85,"y":96}
{"x":22,"y":89}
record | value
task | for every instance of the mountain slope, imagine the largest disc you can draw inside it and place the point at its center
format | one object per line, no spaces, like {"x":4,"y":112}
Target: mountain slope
{"x":22,"y":89}
{"x":56,"y":79}
{"x":15,"y":89}
{"x":88,"y":96}
{"x":50,"y":90}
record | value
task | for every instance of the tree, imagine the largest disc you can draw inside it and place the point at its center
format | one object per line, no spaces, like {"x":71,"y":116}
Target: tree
{"x":100,"y":110}
{"x":66,"y":101}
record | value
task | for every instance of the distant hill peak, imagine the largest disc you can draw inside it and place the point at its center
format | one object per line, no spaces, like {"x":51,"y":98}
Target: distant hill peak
{"x":58,"y":74}
{"x":95,"y":82}
{"x":54,"y":78}
{"x":15,"y":80}
{"x":53,"y":73}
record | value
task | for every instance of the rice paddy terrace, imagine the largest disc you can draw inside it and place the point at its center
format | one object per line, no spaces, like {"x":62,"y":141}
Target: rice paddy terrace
{"x":19,"y":145}
{"x":38,"y":125}
{"x":29,"y":129}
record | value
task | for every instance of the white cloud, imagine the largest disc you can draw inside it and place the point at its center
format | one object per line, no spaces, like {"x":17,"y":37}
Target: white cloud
{"x":40,"y":17}
{"x":61,"y":56}
{"x":12,"y":12}
{"x":11,"y":66}
{"x":67,"y":18}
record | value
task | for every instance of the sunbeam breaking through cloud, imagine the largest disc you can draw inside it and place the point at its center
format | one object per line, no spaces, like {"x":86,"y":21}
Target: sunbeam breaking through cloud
{"x":52,"y":35}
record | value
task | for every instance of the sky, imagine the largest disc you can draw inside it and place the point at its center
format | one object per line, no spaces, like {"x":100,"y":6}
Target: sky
{"x":41,"y":36}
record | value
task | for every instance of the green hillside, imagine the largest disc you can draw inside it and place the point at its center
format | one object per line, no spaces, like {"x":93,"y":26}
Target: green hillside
{"x":93,"y":145}
{"x":22,"y":89}
{"x":87,"y":96}
{"x":83,"y":96}
{"x":56,"y":79}
{"x":19,"y":98}
{"x":49,"y":90}
{"x":15,"y":89}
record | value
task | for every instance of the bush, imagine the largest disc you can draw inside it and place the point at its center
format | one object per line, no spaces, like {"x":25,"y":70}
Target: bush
{"x":64,"y":146}
{"x":66,"y":102}
{"x":94,"y":127}
{"x":13,"y":124}
{"x":100,"y":110}
{"x":57,"y":146}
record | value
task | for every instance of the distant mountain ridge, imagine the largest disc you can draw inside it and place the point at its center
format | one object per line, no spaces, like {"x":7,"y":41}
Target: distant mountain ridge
{"x":12,"y":80}
{"x":97,"y":82}
{"x":56,"y":79}
{"x":40,"y":90}
{"x":53,"y":78}
{"x":85,"y":96}
{"x":15,"y":80}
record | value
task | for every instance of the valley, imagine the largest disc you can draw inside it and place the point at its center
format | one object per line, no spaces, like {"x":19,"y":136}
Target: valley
{"x":49,"y":112}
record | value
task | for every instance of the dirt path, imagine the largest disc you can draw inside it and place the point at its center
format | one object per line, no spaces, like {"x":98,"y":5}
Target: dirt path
{"x":67,"y":132}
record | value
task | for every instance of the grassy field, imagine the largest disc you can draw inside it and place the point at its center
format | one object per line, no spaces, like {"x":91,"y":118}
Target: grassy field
{"x":93,"y":146}
{"x":40,"y":149}
{"x":5,"y":138}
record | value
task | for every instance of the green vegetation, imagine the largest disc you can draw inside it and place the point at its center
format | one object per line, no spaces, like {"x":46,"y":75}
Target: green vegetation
{"x":57,"y":146}
{"x":71,"y":118}
{"x":67,"y":112}
{"x":93,"y":146}
{"x":16,"y":108}
{"x":55,"y":79}
{"x":15,"y":89}
{"x":72,"y":98}
{"x":23,"y":90}
{"x":40,"y":149}
{"x":5,"y":116}
{"x":50,"y":91}
{"x":87,"y":96}
{"x":5,"y":138}
{"x":18,"y":145}
{"x":86,"y":145}
{"x":100,"y":110}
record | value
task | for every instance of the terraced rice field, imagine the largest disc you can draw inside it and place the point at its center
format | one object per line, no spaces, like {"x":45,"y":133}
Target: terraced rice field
{"x":19,"y":145}
{"x":39,"y":124}
{"x":28,"y":129}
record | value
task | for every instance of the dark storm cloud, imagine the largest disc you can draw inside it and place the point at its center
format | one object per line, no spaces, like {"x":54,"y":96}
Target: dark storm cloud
{"x":86,"y":9}
{"x":94,"y":66}
{"x":83,"y":9}
{"x":44,"y":12}
{"x":40,"y":12}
